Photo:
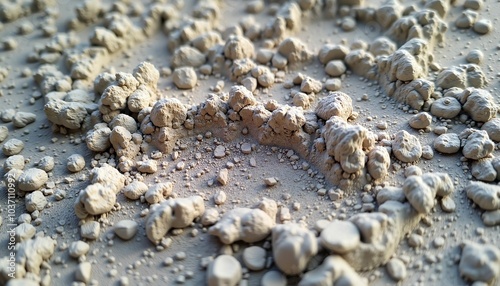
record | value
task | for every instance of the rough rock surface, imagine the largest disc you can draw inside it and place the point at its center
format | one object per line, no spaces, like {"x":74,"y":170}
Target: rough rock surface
{"x":293,"y":247}
{"x":406,"y":147}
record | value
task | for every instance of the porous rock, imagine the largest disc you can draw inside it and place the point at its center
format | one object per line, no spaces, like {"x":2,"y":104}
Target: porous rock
{"x":100,"y":196}
{"x":46,"y":163}
{"x":238,"y":47}
{"x":390,"y":194}
{"x":174,"y":213}
{"x":158,"y":192}
{"x":14,"y":162}
{"x":311,"y":85}
{"x":330,"y":52}
{"x":294,"y":50}
{"x":379,"y":161}
{"x":24,"y":232}
{"x":406,"y":147}
{"x":97,"y":139}
{"x":125,"y":121}
{"x":35,"y":201}
{"x":168,"y":113}
{"x":479,"y":104}
{"x":32,"y":253}
{"x":421,"y":191}
{"x":287,"y":119}
{"x":186,"y":56}
{"x":249,"y":225}
{"x":334,"y":104}
{"x":360,"y":62}
{"x":415,"y":93}
{"x":240,"y":97}
{"x":22,"y":119}
{"x":477,"y":144}
{"x":345,"y":143}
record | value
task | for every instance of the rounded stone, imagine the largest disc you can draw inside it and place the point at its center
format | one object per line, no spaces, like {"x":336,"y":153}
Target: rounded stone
{"x":224,"y":270}
{"x":340,"y":237}
{"x":254,"y":258}
{"x":448,"y":143}
{"x":446,"y":107}
{"x":483,"y":26}
{"x":125,"y":229}
{"x":335,"y":68}
{"x":13,"y":147}
{"x":32,"y":179}
{"x":475,"y":57}
{"x":75,"y":163}
{"x":396,"y":269}
{"x":492,"y":127}
{"x":273,"y":278}
{"x":185,"y":78}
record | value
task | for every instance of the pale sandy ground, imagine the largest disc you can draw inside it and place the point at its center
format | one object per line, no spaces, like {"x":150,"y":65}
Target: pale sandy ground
{"x":246,"y":184}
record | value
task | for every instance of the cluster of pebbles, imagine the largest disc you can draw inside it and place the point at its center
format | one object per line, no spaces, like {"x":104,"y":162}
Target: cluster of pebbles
{"x":138,"y":133}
